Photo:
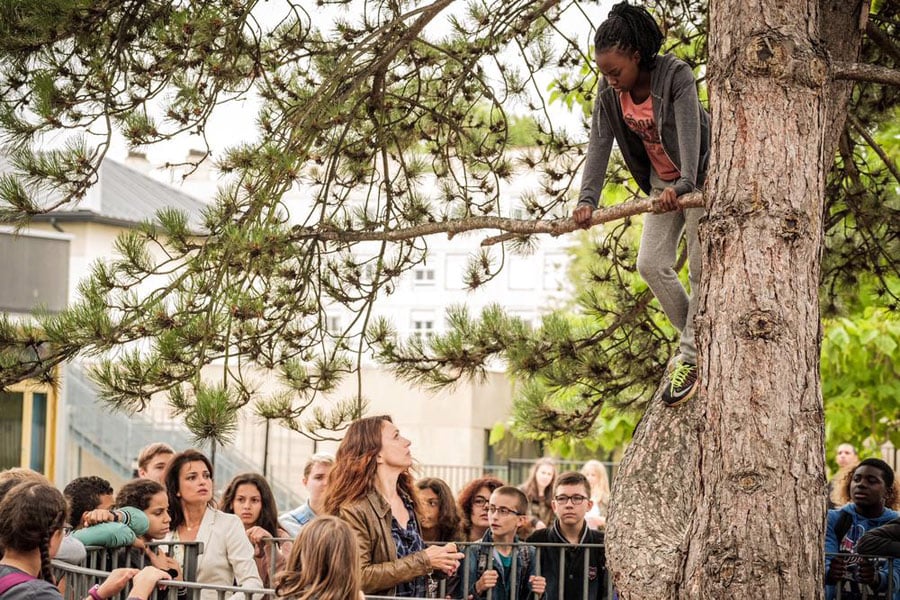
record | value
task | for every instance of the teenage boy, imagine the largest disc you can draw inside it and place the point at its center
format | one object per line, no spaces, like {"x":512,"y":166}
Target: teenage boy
{"x":94,"y":521}
{"x":315,"y":478}
{"x":491,"y":566}
{"x":153,"y":460}
{"x":571,"y":502}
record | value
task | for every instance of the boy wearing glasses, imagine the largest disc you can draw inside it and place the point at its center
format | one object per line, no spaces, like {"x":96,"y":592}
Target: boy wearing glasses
{"x":571,"y":502}
{"x":496,"y":563}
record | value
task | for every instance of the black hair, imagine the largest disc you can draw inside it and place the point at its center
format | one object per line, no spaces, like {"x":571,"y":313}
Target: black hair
{"x":138,"y":493}
{"x":268,"y":514}
{"x":630,"y":28}
{"x":30,"y":514}
{"x":891,"y":489}
{"x":173,"y":481}
{"x":83,"y":495}
{"x":886,"y":470}
{"x":448,"y":525}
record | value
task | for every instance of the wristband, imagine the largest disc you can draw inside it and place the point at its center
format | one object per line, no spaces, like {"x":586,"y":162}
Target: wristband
{"x":94,"y":592}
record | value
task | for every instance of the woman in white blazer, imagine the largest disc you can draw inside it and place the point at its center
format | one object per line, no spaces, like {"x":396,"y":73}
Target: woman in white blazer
{"x":227,"y":557}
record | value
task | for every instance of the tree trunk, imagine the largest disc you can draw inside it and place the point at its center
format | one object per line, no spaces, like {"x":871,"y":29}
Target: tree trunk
{"x":724,"y":497}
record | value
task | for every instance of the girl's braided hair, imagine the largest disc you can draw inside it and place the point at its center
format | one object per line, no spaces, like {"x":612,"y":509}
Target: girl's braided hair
{"x":30,"y":514}
{"x":630,"y":28}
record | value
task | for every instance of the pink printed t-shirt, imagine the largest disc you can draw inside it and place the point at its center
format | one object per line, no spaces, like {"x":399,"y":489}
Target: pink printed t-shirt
{"x":639,"y":118}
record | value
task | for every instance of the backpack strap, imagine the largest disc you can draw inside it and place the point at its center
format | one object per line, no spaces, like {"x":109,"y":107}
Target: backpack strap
{"x":11,"y":580}
{"x":844,"y":522}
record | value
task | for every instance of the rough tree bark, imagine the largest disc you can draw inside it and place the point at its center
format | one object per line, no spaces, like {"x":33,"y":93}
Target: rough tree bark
{"x":724,"y":497}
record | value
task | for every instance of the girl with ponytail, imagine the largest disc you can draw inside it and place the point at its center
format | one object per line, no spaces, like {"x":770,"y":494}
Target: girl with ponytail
{"x":32,"y":521}
{"x":648,"y":104}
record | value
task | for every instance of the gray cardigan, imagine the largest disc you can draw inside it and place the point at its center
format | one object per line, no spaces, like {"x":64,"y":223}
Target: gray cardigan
{"x":682,"y":122}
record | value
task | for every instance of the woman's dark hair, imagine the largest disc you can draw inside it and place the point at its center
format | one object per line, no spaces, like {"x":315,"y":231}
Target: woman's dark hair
{"x":630,"y":28}
{"x":138,"y":493}
{"x":892,"y":490}
{"x":173,"y":471}
{"x":30,"y":514}
{"x":268,"y":515}
{"x":448,"y":521}
{"x":467,"y":496}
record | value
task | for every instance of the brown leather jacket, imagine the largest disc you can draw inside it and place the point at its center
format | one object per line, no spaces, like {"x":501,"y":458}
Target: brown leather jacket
{"x":370,"y":520}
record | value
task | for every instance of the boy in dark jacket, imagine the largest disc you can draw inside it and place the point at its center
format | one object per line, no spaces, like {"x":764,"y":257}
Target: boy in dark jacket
{"x":571,"y":501}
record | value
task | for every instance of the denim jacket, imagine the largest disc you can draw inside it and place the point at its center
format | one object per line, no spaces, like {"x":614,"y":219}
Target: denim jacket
{"x":476,"y":563}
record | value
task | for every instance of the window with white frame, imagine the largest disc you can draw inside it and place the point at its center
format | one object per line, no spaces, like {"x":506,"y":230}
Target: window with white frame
{"x":333,"y":324}
{"x":422,"y":323}
{"x":423,"y":276}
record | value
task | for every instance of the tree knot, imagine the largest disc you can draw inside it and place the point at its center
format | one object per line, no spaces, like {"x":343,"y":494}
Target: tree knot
{"x":747,"y":481}
{"x":794,"y":225}
{"x":767,"y":55}
{"x":761,"y":325}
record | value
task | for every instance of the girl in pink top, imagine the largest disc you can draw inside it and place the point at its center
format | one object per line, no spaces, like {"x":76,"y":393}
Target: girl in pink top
{"x":647,"y":103}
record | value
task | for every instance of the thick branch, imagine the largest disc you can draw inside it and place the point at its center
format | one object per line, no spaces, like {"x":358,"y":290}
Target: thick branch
{"x":884,"y":42}
{"x":864,"y":72}
{"x":874,"y":145}
{"x":512,"y":227}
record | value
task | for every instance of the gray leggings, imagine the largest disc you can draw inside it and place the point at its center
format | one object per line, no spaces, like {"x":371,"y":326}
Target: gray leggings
{"x":656,"y":264}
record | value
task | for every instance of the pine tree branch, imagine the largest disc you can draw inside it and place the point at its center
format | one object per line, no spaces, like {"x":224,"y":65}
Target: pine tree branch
{"x":884,"y":42}
{"x":874,"y":145}
{"x":864,"y":72}
{"x":512,"y":227}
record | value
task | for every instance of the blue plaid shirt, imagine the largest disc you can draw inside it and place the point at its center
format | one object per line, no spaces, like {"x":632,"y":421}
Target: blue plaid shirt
{"x":409,"y":541}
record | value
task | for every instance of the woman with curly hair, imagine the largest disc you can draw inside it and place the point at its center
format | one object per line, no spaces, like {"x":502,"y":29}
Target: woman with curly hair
{"x":473,"y":506}
{"x":370,"y":488}
{"x":872,"y":494}
{"x":250,"y":498}
{"x":322,"y":564}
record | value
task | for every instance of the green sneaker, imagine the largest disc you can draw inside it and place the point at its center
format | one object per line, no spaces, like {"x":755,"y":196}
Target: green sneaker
{"x":681,"y":384}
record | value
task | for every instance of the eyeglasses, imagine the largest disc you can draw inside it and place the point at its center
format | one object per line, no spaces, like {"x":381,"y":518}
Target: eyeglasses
{"x":480,"y":501}
{"x":576,"y":500}
{"x":504,"y":512}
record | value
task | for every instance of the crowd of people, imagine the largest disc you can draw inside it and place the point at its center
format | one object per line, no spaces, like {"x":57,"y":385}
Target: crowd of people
{"x":369,"y":528}
{"x":364,"y":508}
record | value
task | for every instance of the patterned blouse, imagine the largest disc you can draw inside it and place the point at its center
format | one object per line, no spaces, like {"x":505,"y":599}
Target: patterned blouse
{"x":409,"y":541}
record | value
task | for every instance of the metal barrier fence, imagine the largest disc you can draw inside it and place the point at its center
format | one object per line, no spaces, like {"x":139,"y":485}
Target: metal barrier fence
{"x":78,"y":580}
{"x":107,"y":559}
{"x":461,"y":581}
{"x":100,"y":561}
{"x":886,"y":566}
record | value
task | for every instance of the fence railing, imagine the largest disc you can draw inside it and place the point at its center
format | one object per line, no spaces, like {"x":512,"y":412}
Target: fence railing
{"x":887,"y":571}
{"x":80,"y":579}
{"x":590,"y":585}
